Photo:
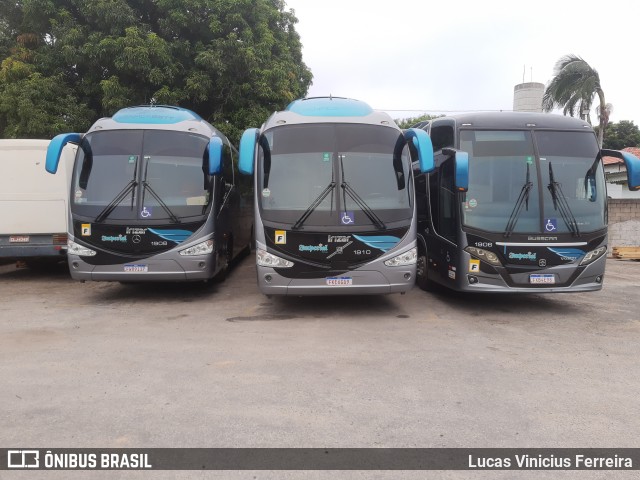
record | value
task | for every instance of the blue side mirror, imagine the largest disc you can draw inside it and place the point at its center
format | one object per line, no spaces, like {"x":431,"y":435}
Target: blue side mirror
{"x":461,"y":160}
{"x":631,"y":162}
{"x":215,"y":155}
{"x":248,"y":144}
{"x":422,"y":142}
{"x":54,"y":150}
{"x":462,"y":171}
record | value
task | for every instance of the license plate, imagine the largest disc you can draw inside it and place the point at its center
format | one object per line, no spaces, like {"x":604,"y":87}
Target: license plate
{"x":136,"y":268}
{"x":339,"y":281}
{"x":542,"y":278}
{"x":19,"y":239}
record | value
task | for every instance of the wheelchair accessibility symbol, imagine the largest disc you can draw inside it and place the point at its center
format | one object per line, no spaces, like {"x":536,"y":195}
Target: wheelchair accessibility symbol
{"x":551,"y":224}
{"x":145,"y":213}
{"x":347,"y":218}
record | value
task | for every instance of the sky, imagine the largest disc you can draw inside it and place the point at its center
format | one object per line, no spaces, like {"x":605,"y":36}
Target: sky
{"x":410,"y":57}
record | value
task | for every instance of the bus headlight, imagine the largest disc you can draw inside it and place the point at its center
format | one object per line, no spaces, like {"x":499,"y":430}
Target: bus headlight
{"x":266,"y":259}
{"x":484,"y":255}
{"x":74,"y":249}
{"x":202,"y":248}
{"x":407,"y":258}
{"x":593,"y":255}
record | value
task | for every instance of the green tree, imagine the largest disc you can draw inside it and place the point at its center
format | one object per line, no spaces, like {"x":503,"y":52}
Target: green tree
{"x":621,"y":135}
{"x":410,"y":121}
{"x":231,"y":61}
{"x":573,"y":88}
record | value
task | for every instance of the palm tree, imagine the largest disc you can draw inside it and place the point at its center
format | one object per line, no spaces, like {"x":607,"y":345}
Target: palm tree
{"x":573,"y":88}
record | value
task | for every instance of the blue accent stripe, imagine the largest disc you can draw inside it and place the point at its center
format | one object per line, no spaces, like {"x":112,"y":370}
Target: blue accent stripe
{"x":384,"y":242}
{"x":176,"y":236}
{"x":567,"y":252}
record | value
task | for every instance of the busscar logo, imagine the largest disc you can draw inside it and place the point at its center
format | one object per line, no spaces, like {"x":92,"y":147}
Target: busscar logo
{"x":23,"y":459}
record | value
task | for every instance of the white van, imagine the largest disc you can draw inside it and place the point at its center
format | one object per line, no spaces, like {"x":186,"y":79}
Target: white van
{"x":33,"y":203}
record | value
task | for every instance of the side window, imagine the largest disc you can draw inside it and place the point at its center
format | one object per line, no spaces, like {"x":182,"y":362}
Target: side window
{"x":447,"y":216}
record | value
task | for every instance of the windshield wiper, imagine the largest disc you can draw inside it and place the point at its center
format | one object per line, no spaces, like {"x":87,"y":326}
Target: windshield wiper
{"x":329,"y":188}
{"x":560,"y":203}
{"x":146,"y":185}
{"x":346,"y":188}
{"x":173,"y":218}
{"x":363,"y":206}
{"x":114,"y":203}
{"x":523,"y":199}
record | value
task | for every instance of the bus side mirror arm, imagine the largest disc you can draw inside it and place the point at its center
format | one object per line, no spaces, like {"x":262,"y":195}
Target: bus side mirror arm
{"x":54,"y":150}
{"x":422,"y":143}
{"x":631,"y":162}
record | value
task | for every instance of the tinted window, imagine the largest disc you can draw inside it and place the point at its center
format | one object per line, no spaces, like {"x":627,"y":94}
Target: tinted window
{"x":298,"y":163}
{"x":169,"y":168}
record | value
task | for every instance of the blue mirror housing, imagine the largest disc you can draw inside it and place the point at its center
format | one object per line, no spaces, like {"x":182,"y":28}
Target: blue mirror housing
{"x":248,"y":144}
{"x":422,"y":142}
{"x":54,"y":150}
{"x":462,"y":171}
{"x":631,"y":162}
{"x":462,"y":167}
{"x":215,"y":155}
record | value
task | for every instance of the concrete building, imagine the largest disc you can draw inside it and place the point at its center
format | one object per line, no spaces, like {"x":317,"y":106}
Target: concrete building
{"x":527,"y":97}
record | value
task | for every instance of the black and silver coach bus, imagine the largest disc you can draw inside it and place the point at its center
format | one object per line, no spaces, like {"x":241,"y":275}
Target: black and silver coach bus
{"x":155,"y":195}
{"x":517,"y":203}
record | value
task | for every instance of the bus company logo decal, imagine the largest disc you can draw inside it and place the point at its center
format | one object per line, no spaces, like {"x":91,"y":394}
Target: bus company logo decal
{"x":523,"y":256}
{"x":338,"y":238}
{"x":314,"y":248}
{"x":280,"y":237}
{"x":85,"y":229}
{"x":113,"y":238}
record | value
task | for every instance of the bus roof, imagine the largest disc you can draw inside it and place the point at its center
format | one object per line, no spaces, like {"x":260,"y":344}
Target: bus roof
{"x":514,"y":120}
{"x":160,"y":117}
{"x":328,"y":110}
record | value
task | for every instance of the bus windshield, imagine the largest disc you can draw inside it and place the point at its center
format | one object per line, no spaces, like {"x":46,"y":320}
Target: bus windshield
{"x":507,"y":182}
{"x":137,"y":174}
{"x":334,"y":174}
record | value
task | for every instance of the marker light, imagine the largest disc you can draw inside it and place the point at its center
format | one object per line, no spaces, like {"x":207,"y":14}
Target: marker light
{"x":74,"y":249}
{"x":266,"y":259}
{"x":407,"y":258}
{"x":593,"y":255}
{"x":484,"y":255}
{"x":202,"y":248}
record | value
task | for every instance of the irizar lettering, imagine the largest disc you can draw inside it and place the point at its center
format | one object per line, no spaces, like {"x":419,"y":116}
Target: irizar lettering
{"x":339,"y":238}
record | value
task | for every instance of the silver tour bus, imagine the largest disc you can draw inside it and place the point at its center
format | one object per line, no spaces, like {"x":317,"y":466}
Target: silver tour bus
{"x":517,"y":203}
{"x":155,"y":195}
{"x":334,"y":199}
